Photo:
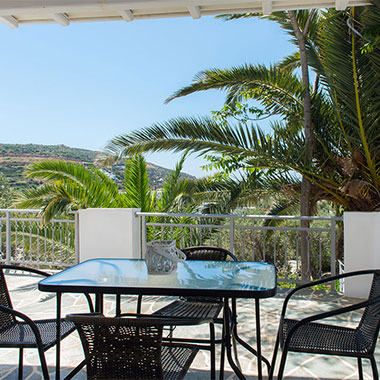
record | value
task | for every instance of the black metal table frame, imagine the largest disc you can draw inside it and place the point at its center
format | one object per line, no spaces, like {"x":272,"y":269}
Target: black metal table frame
{"x":229,"y":332}
{"x":229,"y":316}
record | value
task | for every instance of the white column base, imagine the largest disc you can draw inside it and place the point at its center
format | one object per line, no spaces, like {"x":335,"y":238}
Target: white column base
{"x":109,"y":233}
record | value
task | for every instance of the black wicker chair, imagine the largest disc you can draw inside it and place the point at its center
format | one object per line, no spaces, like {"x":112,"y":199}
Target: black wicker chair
{"x":132,"y":348}
{"x":19,"y":331}
{"x":200,"y":307}
{"x":306,"y":336}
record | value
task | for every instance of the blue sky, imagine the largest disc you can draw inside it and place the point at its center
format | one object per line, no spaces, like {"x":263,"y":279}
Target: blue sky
{"x":83,"y":84}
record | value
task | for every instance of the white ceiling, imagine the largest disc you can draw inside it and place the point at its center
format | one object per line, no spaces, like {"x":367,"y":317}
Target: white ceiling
{"x":22,"y":12}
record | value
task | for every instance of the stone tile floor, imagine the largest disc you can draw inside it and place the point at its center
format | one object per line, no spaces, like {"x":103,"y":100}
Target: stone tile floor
{"x":27,"y":299}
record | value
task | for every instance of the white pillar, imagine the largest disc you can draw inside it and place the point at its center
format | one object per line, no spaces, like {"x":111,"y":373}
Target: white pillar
{"x":109,"y":233}
{"x":361,"y":249}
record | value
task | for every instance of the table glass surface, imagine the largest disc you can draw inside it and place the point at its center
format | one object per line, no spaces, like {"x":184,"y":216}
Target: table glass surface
{"x":245,"y":279}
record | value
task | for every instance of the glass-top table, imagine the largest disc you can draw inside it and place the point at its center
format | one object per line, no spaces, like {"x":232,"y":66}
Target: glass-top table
{"x":227,"y":279}
{"x":197,"y":278}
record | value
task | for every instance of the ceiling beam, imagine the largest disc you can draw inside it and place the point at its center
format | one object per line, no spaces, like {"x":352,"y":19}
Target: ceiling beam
{"x":267,"y":7}
{"x":127,"y":15}
{"x":195,"y":11}
{"x":341,"y":5}
{"x":13,"y":7}
{"x":23,"y":7}
{"x":9,"y":21}
{"x":25,"y":12}
{"x":61,"y":18}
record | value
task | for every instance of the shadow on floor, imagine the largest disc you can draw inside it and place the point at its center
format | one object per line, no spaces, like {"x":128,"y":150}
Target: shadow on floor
{"x":229,"y":375}
{"x":10,"y":372}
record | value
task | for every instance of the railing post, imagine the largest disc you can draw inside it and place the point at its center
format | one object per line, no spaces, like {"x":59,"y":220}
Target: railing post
{"x":8,"y":235}
{"x":333,"y":245}
{"x":76,"y":231}
{"x":143,"y":236}
{"x":232,"y":234}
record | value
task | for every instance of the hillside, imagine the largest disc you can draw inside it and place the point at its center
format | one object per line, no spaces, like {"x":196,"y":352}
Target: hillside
{"x":14,"y":158}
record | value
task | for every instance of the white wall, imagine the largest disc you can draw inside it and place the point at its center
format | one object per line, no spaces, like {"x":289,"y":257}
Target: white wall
{"x":361,"y":249}
{"x":110,"y":233}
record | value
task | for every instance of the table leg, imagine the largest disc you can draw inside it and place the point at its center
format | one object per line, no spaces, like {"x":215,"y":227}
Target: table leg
{"x":258,"y":340}
{"x":58,"y":345}
{"x":222,"y":355}
{"x":227,"y":339}
{"x":241,"y":341}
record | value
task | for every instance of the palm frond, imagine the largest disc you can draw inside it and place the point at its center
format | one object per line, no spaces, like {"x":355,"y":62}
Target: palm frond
{"x":290,"y":62}
{"x":69,"y":186}
{"x":279,"y":91}
{"x":136,"y":184}
{"x":284,"y":206}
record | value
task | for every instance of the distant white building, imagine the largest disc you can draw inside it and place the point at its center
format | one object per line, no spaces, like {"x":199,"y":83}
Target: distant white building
{"x":108,"y":174}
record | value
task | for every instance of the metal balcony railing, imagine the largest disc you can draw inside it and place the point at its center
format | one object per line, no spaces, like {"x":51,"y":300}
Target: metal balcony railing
{"x":25,"y":240}
{"x":276,"y":239}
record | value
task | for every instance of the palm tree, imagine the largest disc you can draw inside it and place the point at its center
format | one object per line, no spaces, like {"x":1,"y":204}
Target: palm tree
{"x":343,"y":165}
{"x":345,"y":111}
{"x":71,"y":186}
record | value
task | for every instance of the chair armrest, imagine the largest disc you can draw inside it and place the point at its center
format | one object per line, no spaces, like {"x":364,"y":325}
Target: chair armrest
{"x":44,"y":274}
{"x":26,"y":319}
{"x":325,"y":280}
{"x":328,"y":314}
{"x":90,"y":303}
{"x":232,"y":256}
{"x":25,"y":269}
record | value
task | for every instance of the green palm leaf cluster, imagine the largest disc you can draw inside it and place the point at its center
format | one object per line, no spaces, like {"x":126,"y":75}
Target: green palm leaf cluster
{"x":69,"y":186}
{"x":345,"y":163}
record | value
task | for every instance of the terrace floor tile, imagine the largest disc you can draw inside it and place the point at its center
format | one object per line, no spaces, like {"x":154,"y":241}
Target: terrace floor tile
{"x":37,"y":305}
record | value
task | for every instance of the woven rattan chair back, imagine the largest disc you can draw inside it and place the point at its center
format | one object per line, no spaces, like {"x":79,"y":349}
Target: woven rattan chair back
{"x":207,"y":253}
{"x":118,"y":348}
{"x":369,"y":325}
{"x":311,"y":335}
{"x":5,"y":300}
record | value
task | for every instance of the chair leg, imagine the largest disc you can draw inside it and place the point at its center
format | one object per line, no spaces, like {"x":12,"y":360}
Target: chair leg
{"x":360,"y":368}
{"x":282,"y":364}
{"x":374,"y":368}
{"x":212,"y":352}
{"x":222,"y":355}
{"x":44,"y":367}
{"x":20,"y":363}
{"x":273,"y":364}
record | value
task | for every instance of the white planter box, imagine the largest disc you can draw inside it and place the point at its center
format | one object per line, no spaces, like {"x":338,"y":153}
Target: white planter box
{"x":109,"y":233}
{"x":361,"y":249}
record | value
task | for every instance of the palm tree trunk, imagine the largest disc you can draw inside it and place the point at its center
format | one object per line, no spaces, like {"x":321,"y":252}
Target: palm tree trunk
{"x":309,"y":141}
